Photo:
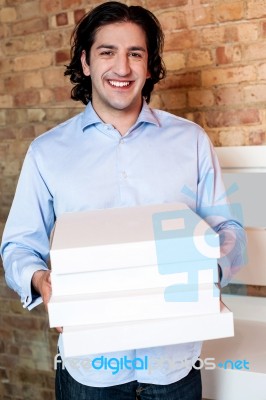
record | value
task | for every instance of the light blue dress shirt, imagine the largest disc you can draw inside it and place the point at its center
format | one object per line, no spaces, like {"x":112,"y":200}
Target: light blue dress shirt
{"x":85,"y":164}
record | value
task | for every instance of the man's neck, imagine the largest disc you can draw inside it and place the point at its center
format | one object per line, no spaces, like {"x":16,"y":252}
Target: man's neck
{"x":121,"y":120}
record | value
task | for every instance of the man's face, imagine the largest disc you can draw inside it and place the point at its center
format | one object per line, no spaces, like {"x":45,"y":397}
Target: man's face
{"x":118,"y":68}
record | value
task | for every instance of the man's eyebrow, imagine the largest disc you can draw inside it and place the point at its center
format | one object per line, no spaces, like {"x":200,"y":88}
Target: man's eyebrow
{"x":113,"y":47}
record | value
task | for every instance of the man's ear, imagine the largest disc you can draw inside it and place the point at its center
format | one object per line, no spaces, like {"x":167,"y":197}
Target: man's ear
{"x":85,"y":66}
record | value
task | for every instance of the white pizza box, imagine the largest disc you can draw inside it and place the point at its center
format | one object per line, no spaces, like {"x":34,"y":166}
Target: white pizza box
{"x":146,"y":277}
{"x":131,"y":237}
{"x":127,"y":305}
{"x":101,"y":338}
{"x":242,"y":358}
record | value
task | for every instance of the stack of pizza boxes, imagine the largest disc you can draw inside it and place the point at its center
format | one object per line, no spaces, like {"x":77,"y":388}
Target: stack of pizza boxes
{"x":128,"y":278}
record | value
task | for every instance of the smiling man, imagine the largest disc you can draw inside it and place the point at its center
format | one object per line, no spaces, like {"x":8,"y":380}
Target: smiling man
{"x":117,"y":153}
{"x":118,"y":67}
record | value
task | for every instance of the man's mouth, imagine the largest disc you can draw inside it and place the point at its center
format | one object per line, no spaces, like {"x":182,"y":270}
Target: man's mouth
{"x":119,"y":84}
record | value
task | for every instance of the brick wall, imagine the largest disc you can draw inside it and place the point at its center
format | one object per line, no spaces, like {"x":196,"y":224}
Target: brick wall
{"x":215,"y":54}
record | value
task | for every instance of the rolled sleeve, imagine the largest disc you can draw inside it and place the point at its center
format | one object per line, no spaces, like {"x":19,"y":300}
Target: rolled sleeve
{"x":215,"y":208}
{"x":25,"y":243}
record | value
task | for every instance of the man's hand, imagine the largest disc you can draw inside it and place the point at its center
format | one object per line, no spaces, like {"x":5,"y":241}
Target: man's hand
{"x":41,"y":282}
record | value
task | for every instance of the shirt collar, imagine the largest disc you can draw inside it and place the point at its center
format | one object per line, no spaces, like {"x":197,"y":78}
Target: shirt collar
{"x":90,"y":117}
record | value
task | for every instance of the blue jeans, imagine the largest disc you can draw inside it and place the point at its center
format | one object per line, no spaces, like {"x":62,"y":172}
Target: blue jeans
{"x":188,"y":388}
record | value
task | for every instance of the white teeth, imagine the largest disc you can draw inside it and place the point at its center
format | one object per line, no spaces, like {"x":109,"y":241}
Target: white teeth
{"x":119,"y":84}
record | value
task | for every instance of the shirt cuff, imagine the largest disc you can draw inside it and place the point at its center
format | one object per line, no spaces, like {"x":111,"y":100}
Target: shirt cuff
{"x":29,"y":297}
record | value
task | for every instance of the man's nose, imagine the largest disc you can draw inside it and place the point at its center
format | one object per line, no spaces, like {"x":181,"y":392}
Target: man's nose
{"x":122,"y":65}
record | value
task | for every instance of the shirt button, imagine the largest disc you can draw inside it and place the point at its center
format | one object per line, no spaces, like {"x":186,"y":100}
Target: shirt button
{"x":124,"y":174}
{"x":122,"y":141}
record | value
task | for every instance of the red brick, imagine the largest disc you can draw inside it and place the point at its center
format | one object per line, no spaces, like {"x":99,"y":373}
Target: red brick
{"x":29,"y":43}
{"x":235,"y":137}
{"x":155,"y":4}
{"x":33,"y":43}
{"x":54,"y":77}
{"x":226,"y":11}
{"x":66,"y":4}
{"x":257,"y":137}
{"x":6,"y":65}
{"x":7,"y":14}
{"x":255,"y":51}
{"x":46,"y":96}
{"x":181,"y":40}
{"x":57,"y":114}
{"x":264,"y":29}
{"x":222,"y":76}
{"x":27,"y":98}
{"x":199,"y":58}
{"x":28,"y":9}
{"x":173,"y":101}
{"x":8,"y":361}
{"x":248,"y":31}
{"x":231,"y":34}
{"x":7,"y":133}
{"x":17,"y":116}
{"x":255,"y":93}
{"x":66,"y":39}
{"x":26,"y":131}
{"x":203,"y":16}
{"x":24,"y":322}
{"x":61,"y":94}
{"x":188,"y":79}
{"x":78,"y":15}
{"x":3,"y":31}
{"x":12,"y":348}
{"x":33,"y":80}
{"x":3,"y":372}
{"x":196,"y":117}
{"x":2,"y":90}
{"x":62,"y":19}
{"x":62,"y":57}
{"x":212,"y":35}
{"x":174,"y":60}
{"x":33,"y":61}
{"x":13,"y":46}
{"x":256,"y":9}
{"x":30,"y":26}
{"x":262,"y":72}
{"x":172,"y":19}
{"x":215,"y":119}
{"x":229,"y":96}
{"x":213,"y":136}
{"x":228,"y":54}
{"x":50,"y":7}
{"x":200,"y":98}
{"x":14,"y":84}
{"x":6,"y":292}
{"x":6,"y":101}
{"x":3,"y":115}
{"x":36,"y":114}
{"x":53,"y":39}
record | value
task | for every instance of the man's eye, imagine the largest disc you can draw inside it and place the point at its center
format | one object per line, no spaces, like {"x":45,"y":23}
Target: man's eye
{"x":106,"y":53}
{"x":137,"y":55}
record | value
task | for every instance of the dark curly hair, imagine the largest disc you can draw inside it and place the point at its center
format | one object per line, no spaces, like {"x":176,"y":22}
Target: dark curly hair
{"x":83,"y":38}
